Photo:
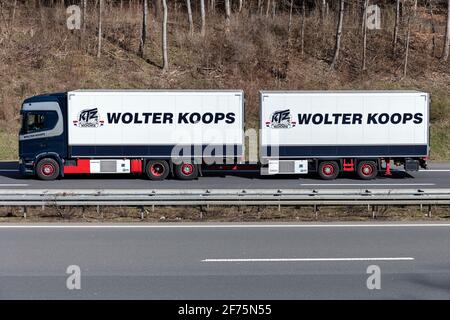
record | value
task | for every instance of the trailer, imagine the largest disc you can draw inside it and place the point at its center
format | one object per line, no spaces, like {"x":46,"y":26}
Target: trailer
{"x":182,"y":133}
{"x":154,"y":132}
{"x":329,"y":132}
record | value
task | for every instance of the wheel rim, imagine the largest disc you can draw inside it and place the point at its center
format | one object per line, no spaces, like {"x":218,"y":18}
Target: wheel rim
{"x":187,"y":169}
{"x":328,"y":170}
{"x":157,"y":169}
{"x":367,"y":170}
{"x":48,"y":169}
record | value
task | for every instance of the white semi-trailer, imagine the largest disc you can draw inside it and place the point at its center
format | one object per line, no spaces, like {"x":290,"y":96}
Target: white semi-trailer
{"x":329,"y":132}
{"x":182,"y":133}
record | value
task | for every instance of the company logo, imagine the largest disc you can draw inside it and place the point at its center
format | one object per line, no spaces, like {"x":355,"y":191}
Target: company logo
{"x":281,"y":119}
{"x":88,"y":118}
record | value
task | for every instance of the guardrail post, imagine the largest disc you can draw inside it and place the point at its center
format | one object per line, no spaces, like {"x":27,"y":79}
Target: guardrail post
{"x":142,"y":212}
{"x":429,"y":211}
{"x":316,"y":214}
{"x":374,"y":209}
{"x":24,"y":212}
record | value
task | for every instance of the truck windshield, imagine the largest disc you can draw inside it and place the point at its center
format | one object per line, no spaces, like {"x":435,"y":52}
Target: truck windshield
{"x":34,"y":121}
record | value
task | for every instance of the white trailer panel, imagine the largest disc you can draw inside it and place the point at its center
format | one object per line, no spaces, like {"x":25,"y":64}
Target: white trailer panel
{"x":324,"y":124}
{"x":151,"y":123}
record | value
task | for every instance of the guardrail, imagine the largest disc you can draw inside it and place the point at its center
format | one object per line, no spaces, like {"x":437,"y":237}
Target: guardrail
{"x":224,"y":197}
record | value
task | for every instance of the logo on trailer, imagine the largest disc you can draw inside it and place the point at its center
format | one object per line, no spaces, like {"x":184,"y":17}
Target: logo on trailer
{"x":88,"y":118}
{"x":281,"y":119}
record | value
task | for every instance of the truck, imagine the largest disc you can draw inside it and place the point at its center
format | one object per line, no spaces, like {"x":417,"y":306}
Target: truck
{"x":153,"y":132}
{"x":183,"y":133}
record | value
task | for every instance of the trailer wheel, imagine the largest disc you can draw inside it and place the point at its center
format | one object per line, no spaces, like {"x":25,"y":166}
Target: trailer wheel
{"x":47,"y":169}
{"x":328,"y":170}
{"x":157,"y":170}
{"x":186,"y":171}
{"x":367,"y":170}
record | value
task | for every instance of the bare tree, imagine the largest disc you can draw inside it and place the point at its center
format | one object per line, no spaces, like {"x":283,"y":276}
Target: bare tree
{"x":411,"y":18}
{"x":191,"y":22}
{"x":241,"y":3}
{"x":447,"y":35}
{"x":84,"y":16}
{"x":396,"y":26}
{"x":13,"y":13}
{"x":337,"y":46}
{"x":227,"y":15}
{"x":302,"y":28}
{"x":164,"y":37}
{"x":433,"y":28}
{"x":291,"y":5}
{"x":143,"y":29}
{"x":100,"y":9}
{"x":366,"y":3}
{"x":202,"y":13}
{"x":212,"y":6}
{"x":267,"y":8}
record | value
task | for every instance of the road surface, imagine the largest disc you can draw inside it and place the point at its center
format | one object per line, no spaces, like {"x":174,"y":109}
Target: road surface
{"x":233,"y":261}
{"x":437,"y":177}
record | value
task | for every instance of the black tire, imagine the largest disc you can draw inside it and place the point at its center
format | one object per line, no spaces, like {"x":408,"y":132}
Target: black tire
{"x":157,"y":170}
{"x":367,"y":170}
{"x":47,"y":169}
{"x":328,"y":170}
{"x":186,"y":171}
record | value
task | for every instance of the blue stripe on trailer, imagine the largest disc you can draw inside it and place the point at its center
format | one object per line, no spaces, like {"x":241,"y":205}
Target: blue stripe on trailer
{"x":156,"y":151}
{"x":295,"y":151}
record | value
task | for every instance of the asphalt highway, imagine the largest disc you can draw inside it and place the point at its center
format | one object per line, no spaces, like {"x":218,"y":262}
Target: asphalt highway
{"x":231,"y":261}
{"x":438,"y":176}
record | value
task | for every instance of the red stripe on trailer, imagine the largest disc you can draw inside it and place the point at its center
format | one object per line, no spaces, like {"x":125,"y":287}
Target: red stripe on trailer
{"x":136,"y":166}
{"x":83,"y":166}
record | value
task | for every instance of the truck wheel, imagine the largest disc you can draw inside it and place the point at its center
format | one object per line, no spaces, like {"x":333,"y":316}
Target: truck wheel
{"x":47,"y":169}
{"x":186,"y":171}
{"x":367,"y":170}
{"x":328,"y":170}
{"x":157,"y":170}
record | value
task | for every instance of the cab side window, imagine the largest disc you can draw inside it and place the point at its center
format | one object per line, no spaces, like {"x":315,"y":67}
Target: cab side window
{"x":40,"y":121}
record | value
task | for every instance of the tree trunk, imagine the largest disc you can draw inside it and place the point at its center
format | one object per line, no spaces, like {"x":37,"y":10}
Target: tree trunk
{"x":366,"y":4}
{"x":241,"y":3}
{"x":396,"y":26}
{"x":13,"y":13}
{"x":447,"y":35}
{"x":291,"y":5}
{"x":164,"y":37}
{"x":408,"y":39}
{"x":202,"y":12}
{"x":143,"y":29}
{"x":267,"y":8}
{"x":191,"y":22}
{"x":84,"y":16}
{"x":227,"y":15}
{"x":433,"y":28}
{"x":100,"y":9}
{"x":212,"y":6}
{"x":337,"y":46}
{"x":302,"y":29}
{"x":260,"y":7}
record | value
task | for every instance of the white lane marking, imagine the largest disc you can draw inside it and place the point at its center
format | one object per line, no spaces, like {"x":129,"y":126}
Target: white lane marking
{"x":310,"y":259}
{"x":367,"y":184}
{"x":13,"y":185}
{"x":435,"y":170}
{"x":9,"y":170}
{"x":232,"y":226}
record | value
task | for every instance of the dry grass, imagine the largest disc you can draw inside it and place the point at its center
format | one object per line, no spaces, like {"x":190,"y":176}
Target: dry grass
{"x":221,"y":214}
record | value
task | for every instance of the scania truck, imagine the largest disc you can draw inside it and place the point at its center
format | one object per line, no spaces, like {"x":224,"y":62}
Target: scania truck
{"x":181,"y":133}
